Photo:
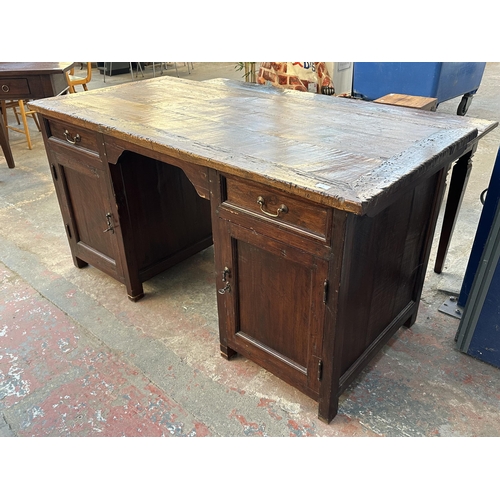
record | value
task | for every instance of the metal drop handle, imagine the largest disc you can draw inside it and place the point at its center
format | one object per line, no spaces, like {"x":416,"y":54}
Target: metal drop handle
{"x":282,"y":209}
{"x":5,"y":88}
{"x":70,"y":139}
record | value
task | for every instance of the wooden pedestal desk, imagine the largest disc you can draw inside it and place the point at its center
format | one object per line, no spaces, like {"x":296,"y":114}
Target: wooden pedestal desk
{"x":321,"y":209}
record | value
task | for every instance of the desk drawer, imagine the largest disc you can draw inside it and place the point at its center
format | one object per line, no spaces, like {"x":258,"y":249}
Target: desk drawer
{"x":277,"y":207}
{"x":73,"y":136}
{"x":17,"y":87}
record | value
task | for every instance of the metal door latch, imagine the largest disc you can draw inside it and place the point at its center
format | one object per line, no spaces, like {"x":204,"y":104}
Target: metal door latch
{"x":227,"y":287}
{"x":109,"y":223}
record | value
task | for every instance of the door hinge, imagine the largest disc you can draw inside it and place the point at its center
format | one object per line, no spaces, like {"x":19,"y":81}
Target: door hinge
{"x":325,"y":291}
{"x":320,"y":370}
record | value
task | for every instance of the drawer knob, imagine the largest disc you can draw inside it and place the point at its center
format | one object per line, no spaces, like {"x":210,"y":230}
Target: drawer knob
{"x":5,"y":88}
{"x":70,"y":138}
{"x":282,"y":209}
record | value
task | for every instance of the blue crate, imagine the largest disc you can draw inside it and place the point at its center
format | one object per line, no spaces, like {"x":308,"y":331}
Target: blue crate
{"x":443,"y":81}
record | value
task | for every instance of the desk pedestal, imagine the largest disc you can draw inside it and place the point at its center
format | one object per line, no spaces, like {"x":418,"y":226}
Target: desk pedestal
{"x":116,"y":216}
{"x":312,"y":293}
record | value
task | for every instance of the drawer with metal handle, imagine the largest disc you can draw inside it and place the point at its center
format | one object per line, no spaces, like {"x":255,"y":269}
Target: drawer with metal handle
{"x":279,"y":208}
{"x":73,"y":136}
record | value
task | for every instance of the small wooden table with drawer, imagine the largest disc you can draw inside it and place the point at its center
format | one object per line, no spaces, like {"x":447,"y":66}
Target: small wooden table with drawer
{"x":322,"y":210}
{"x":29,"y":80}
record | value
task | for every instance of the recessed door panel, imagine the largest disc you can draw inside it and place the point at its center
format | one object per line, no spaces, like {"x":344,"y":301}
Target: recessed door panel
{"x":276,"y":298}
{"x":92,"y":217}
{"x":267,"y":285}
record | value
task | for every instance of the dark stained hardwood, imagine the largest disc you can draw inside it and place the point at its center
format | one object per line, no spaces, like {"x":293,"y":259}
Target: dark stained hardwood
{"x":4,"y":144}
{"x":29,"y":80}
{"x":164,"y":229}
{"x":321,"y":210}
{"x":266,"y":277}
{"x":347,"y":154}
{"x":384,"y":265}
{"x":115,"y":216}
{"x":33,"y":80}
{"x":459,"y":179}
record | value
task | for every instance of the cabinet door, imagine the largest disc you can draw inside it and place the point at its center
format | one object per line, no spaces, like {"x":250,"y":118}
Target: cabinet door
{"x":90,"y":218}
{"x":271,"y":303}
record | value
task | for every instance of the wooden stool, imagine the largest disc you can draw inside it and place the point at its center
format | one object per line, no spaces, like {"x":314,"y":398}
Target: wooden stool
{"x":409,"y":101}
{"x":24,"y":113}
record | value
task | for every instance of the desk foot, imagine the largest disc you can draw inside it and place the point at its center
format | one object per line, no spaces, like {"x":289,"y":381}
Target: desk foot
{"x":411,"y":320}
{"x":328,"y":411}
{"x":226,"y":352}
{"x":135,"y":298}
{"x":79,"y":263}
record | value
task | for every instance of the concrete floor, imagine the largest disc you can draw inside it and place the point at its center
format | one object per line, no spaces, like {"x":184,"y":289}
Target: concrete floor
{"x":77,"y":358}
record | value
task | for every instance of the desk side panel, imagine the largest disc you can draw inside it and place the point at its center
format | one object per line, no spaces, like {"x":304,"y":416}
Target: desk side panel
{"x":383,"y":273}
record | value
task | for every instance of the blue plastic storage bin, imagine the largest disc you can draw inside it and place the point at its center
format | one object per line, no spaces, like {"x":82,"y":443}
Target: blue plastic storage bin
{"x":443,"y":81}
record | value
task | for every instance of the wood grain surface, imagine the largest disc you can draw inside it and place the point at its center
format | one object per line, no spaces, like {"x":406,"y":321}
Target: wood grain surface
{"x":344,"y":153}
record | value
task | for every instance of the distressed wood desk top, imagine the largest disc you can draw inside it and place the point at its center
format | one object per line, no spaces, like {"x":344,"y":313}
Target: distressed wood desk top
{"x":344,"y":153}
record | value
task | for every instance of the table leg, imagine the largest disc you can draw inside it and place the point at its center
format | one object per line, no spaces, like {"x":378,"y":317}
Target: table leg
{"x":4,"y":143}
{"x":458,"y":183}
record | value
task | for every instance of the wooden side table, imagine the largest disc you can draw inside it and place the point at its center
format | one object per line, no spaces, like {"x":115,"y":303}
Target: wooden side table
{"x":29,"y":81}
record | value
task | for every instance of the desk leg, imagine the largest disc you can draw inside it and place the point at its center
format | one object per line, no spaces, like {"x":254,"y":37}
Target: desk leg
{"x":4,"y":143}
{"x":458,"y":183}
